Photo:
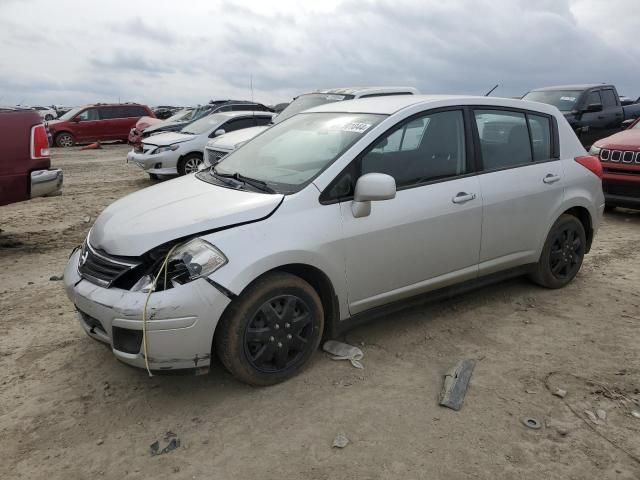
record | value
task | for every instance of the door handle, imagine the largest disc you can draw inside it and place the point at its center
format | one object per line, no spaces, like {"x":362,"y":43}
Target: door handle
{"x":551,"y":178}
{"x":463,"y":197}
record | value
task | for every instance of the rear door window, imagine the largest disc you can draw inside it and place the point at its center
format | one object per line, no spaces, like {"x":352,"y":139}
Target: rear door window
{"x":504,"y":138}
{"x":510,"y":139}
{"x":237,"y":124}
{"x":608,"y":98}
{"x":262,"y":121}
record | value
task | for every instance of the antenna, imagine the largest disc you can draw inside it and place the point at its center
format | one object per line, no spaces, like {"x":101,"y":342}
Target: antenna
{"x":251,"y":85}
{"x":491,"y":91}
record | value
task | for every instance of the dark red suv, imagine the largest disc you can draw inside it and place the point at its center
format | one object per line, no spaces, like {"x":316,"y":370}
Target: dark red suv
{"x":102,"y":121}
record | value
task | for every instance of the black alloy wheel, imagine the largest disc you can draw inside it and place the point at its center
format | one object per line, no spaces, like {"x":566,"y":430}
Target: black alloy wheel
{"x":279,"y":333}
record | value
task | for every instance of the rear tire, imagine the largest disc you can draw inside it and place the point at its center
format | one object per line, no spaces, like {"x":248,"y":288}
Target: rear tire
{"x":269,"y":333}
{"x":562,"y":254}
{"x":189,"y":164}
{"x":48,"y":117}
{"x":153,"y":176}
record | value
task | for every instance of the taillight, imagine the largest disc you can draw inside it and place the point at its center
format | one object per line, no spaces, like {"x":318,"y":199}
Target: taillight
{"x":39,"y":143}
{"x":592,"y":164}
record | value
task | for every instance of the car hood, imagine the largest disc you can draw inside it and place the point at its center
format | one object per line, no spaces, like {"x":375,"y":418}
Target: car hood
{"x":174,"y":209}
{"x":627,"y":139}
{"x":230,"y":140}
{"x":168,"y":138}
{"x":165,"y":126}
{"x":145,"y":122}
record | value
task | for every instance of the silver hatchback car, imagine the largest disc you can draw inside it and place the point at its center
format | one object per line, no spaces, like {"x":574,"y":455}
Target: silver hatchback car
{"x":328,"y":218}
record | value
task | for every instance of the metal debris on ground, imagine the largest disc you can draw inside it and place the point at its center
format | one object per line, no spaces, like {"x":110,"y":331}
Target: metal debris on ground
{"x":456,"y":382}
{"x":172,"y":441}
{"x":601,"y":414}
{"x":340,"y":441}
{"x":635,"y":413}
{"x":343,"y":351}
{"x":558,"y":392}
{"x":592,"y":417}
{"x":532,"y":423}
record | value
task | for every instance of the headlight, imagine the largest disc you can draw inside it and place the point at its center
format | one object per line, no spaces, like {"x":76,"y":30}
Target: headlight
{"x":172,"y":148}
{"x":594,"y":150}
{"x":192,"y":260}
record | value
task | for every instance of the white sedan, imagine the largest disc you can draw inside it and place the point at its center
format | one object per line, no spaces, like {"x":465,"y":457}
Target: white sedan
{"x":181,"y":152}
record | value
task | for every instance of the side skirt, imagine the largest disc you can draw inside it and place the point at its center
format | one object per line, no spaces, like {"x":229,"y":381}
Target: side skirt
{"x":430,"y":297}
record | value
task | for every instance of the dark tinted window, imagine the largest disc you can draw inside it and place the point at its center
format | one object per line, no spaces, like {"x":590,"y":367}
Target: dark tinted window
{"x":226,"y":108}
{"x":261,"y":121}
{"x":107,"y":113}
{"x":594,"y":98}
{"x":540,"y":128}
{"x":608,"y":98}
{"x":89,"y":114}
{"x":243,"y":107}
{"x":504,"y":138}
{"x":426,"y":148}
{"x":237,"y":124}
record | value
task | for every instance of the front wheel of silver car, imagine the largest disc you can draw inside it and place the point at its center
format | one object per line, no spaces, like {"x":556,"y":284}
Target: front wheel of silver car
{"x":562,"y":254}
{"x":271,"y":330}
{"x":189,"y":164}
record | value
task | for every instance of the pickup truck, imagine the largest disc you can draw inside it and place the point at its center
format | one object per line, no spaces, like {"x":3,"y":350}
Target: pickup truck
{"x":593,"y":111}
{"x":25,"y":164}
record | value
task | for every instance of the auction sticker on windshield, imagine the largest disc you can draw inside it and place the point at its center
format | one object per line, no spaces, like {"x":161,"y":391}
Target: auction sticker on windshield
{"x":356,"y":127}
{"x":568,"y":99}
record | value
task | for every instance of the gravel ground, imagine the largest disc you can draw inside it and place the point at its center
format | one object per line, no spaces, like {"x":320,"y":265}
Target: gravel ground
{"x":69,"y":410}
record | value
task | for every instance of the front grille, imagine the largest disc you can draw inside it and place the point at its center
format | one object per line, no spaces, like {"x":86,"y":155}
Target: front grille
{"x":102,"y":269}
{"x":147,"y":148}
{"x":214,"y":156}
{"x":622,"y":189}
{"x":617,"y":156}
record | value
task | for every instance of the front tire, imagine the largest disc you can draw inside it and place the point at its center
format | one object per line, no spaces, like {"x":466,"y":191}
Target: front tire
{"x":65,"y":140}
{"x":48,"y":117}
{"x":153,"y":176}
{"x":189,"y":164}
{"x":270,"y":332}
{"x":562,"y":254}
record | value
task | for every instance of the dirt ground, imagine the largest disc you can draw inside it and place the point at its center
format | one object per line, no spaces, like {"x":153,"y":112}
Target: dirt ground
{"x":69,"y":410}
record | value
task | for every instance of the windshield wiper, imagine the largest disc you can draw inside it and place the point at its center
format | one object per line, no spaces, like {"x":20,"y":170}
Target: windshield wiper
{"x":254,"y":182}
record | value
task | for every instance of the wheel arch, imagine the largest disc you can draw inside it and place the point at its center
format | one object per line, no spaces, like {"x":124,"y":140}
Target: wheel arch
{"x":582,"y":214}
{"x":320,"y":282}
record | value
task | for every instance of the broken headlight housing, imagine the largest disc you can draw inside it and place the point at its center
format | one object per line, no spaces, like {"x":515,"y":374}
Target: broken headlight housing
{"x":189,"y":261}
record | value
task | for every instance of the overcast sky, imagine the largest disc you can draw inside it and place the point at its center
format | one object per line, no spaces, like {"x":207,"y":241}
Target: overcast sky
{"x":187,"y":52}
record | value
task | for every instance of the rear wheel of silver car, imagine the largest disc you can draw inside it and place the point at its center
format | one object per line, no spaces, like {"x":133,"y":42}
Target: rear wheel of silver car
{"x":269,"y":333}
{"x":48,"y":117}
{"x":562,"y":254}
{"x":189,"y":164}
{"x":65,"y":140}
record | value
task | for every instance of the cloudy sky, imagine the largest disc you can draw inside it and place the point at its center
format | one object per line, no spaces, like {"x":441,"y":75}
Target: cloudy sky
{"x":187,"y":52}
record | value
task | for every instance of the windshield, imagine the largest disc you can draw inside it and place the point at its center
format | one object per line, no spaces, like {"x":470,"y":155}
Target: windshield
{"x":201,"y":111}
{"x":289,"y":154}
{"x":181,"y":115}
{"x":203,"y":125}
{"x":70,"y":114}
{"x":307,"y":101}
{"x":565,"y":100}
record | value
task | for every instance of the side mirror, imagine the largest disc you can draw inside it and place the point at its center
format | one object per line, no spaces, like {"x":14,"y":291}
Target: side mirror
{"x":77,"y":119}
{"x":219,"y":132}
{"x":372,"y":187}
{"x":627,"y":123}
{"x":593,"y":107}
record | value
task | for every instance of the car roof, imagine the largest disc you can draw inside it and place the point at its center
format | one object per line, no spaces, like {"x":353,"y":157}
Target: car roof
{"x":357,"y":91}
{"x":391,"y":104}
{"x":242,"y":113}
{"x":126,"y":104}
{"x":585,"y":86}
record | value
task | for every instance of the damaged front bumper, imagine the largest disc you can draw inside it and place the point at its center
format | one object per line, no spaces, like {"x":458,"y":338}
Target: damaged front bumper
{"x":180,"y":321}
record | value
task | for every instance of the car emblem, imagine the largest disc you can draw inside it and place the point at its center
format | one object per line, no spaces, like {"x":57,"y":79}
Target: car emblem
{"x":83,"y":258}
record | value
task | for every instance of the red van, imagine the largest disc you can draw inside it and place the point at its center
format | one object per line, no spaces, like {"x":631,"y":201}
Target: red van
{"x":24,"y":158}
{"x":102,"y":121}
